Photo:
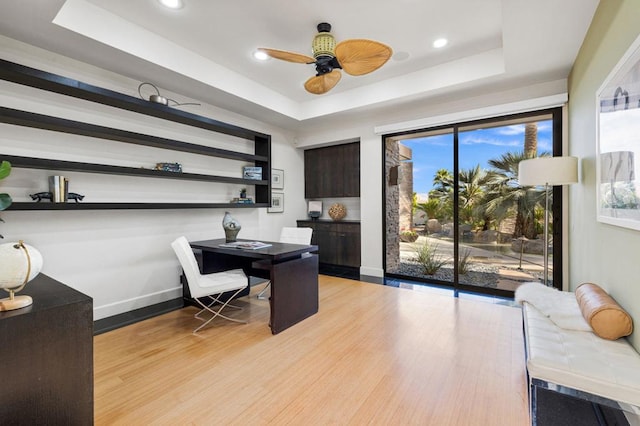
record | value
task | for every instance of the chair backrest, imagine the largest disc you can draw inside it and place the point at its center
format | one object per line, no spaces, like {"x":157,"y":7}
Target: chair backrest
{"x":296,"y":235}
{"x":187,"y":261}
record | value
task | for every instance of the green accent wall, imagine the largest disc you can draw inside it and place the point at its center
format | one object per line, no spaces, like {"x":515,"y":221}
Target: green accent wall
{"x":604,"y":254}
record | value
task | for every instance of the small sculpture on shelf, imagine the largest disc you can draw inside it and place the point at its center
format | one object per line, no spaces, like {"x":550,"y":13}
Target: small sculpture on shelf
{"x":75,"y":196}
{"x":39,"y":196}
{"x":169,"y":167}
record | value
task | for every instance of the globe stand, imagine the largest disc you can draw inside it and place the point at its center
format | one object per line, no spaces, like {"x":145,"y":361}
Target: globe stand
{"x":14,"y":302}
{"x":17,"y":302}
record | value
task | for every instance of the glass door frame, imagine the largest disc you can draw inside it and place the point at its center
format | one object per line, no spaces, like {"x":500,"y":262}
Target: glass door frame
{"x":556,"y":212}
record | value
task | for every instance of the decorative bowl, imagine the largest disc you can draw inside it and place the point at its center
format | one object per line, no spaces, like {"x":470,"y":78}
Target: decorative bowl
{"x":337,"y":211}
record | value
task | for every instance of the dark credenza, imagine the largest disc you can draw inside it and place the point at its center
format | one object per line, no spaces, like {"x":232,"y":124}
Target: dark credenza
{"x":338,"y":241}
{"x":47,"y":357}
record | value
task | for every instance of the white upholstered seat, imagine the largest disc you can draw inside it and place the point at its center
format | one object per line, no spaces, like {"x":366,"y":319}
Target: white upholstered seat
{"x":208,"y":286}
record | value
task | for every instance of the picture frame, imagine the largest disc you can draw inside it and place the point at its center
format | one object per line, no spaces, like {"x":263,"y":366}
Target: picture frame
{"x":618,"y":143}
{"x":277,"y":203}
{"x":252,"y":173}
{"x":277,"y":179}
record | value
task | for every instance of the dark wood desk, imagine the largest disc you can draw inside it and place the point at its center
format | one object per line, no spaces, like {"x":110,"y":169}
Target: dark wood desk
{"x":292,"y":269}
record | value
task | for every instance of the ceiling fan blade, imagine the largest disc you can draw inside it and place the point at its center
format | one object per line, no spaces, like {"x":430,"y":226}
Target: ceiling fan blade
{"x":288,"y":56}
{"x":320,"y":84}
{"x":361,"y":56}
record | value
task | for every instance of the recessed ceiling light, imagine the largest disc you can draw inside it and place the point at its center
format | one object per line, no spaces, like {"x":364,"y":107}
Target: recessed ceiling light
{"x":260,"y":55}
{"x":172,"y":4}
{"x":441,"y":42}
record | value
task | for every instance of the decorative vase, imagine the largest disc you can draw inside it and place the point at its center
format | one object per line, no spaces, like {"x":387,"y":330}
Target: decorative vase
{"x":337,"y":211}
{"x":19,"y":264}
{"x":231,"y":227}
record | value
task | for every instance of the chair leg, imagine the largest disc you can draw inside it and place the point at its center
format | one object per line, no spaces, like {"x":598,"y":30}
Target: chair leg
{"x":213,"y":301}
{"x":261,"y":294}
{"x":217,"y":313}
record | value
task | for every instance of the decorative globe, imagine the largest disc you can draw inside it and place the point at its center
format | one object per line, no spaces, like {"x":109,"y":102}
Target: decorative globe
{"x":19,"y":264}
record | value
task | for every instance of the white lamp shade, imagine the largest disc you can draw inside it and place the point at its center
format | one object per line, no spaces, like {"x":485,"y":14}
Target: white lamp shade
{"x":14,"y":265}
{"x":548,"y":170}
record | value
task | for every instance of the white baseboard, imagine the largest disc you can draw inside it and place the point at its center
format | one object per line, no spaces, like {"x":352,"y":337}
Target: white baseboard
{"x":122,"y":306}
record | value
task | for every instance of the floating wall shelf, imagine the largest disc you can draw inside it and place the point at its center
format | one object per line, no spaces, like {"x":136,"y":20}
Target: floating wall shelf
{"x":21,"y":74}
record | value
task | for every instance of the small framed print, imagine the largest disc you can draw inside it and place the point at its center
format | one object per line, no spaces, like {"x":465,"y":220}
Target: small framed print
{"x":253,"y":173}
{"x":277,"y":203}
{"x":277,"y":179}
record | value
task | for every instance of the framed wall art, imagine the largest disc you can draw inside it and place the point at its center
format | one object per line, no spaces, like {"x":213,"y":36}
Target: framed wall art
{"x":277,"y":203}
{"x":277,"y":179}
{"x":618,"y":143}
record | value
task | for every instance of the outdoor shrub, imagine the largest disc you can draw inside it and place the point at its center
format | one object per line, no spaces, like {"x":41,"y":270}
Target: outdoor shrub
{"x":463,"y":261}
{"x":429,"y":259}
{"x":408,"y":236}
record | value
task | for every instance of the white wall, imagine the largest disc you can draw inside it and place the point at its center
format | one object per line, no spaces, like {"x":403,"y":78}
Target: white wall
{"x":122,"y":258}
{"x":600,"y":253}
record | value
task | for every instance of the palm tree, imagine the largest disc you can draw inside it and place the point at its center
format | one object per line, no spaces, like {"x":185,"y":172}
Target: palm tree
{"x":506,"y":197}
{"x":531,"y":140}
{"x":471,"y":191}
{"x":442,"y":182}
{"x":431,"y":207}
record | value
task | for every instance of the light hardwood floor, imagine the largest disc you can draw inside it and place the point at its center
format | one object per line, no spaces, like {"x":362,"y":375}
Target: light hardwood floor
{"x":372,"y":355}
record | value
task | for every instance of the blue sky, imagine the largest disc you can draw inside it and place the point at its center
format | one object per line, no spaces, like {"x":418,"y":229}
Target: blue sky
{"x":476,"y":147}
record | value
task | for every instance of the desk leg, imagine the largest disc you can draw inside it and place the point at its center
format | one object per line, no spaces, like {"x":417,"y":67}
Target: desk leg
{"x":294,"y":291}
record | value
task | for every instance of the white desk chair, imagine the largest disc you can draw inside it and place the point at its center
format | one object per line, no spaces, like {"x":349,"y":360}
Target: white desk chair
{"x":290,"y":235}
{"x":210,"y":285}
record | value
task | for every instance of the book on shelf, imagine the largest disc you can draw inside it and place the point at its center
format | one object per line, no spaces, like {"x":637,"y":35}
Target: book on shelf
{"x":247,"y":200}
{"x":246,"y":245}
{"x":59,"y":188}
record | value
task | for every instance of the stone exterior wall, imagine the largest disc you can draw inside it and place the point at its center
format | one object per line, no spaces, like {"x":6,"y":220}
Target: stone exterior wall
{"x":399,"y":199}
{"x":392,"y":159}
{"x":406,"y":195}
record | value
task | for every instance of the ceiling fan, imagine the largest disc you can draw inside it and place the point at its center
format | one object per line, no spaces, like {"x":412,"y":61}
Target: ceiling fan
{"x":355,"y":57}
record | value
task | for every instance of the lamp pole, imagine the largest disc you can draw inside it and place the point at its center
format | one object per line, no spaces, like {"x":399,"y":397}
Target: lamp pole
{"x":545,"y":250}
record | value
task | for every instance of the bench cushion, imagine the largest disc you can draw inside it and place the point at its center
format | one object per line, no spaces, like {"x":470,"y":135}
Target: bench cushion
{"x":607,"y":319}
{"x":580,"y":359}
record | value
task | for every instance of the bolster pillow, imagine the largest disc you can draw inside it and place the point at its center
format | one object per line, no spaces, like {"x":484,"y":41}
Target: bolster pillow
{"x":607,"y":319}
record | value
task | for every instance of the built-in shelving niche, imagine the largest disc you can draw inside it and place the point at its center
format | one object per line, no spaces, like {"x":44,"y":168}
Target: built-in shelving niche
{"x":20,"y":74}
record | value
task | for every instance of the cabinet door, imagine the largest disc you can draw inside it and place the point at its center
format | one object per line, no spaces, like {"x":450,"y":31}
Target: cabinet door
{"x":311,"y":180}
{"x":333,"y":171}
{"x":351,"y":170}
{"x":325,"y":236}
{"x":348,"y":244}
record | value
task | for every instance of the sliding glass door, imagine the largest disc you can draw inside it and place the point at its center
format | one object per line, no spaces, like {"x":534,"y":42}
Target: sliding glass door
{"x":455,"y":214}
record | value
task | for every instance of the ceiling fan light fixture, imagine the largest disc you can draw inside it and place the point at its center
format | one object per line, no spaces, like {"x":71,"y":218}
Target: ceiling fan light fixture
{"x":323,"y":43}
{"x":172,"y":4}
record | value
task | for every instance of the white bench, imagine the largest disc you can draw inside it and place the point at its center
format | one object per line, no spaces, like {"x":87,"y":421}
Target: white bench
{"x":579,"y":364}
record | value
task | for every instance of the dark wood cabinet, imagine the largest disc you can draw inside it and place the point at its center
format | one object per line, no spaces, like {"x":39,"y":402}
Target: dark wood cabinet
{"x":47,"y":357}
{"x":338,"y":242}
{"x":332,"y":171}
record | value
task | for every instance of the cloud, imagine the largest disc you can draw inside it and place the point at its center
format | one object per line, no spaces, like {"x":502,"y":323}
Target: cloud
{"x":477,"y":139}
